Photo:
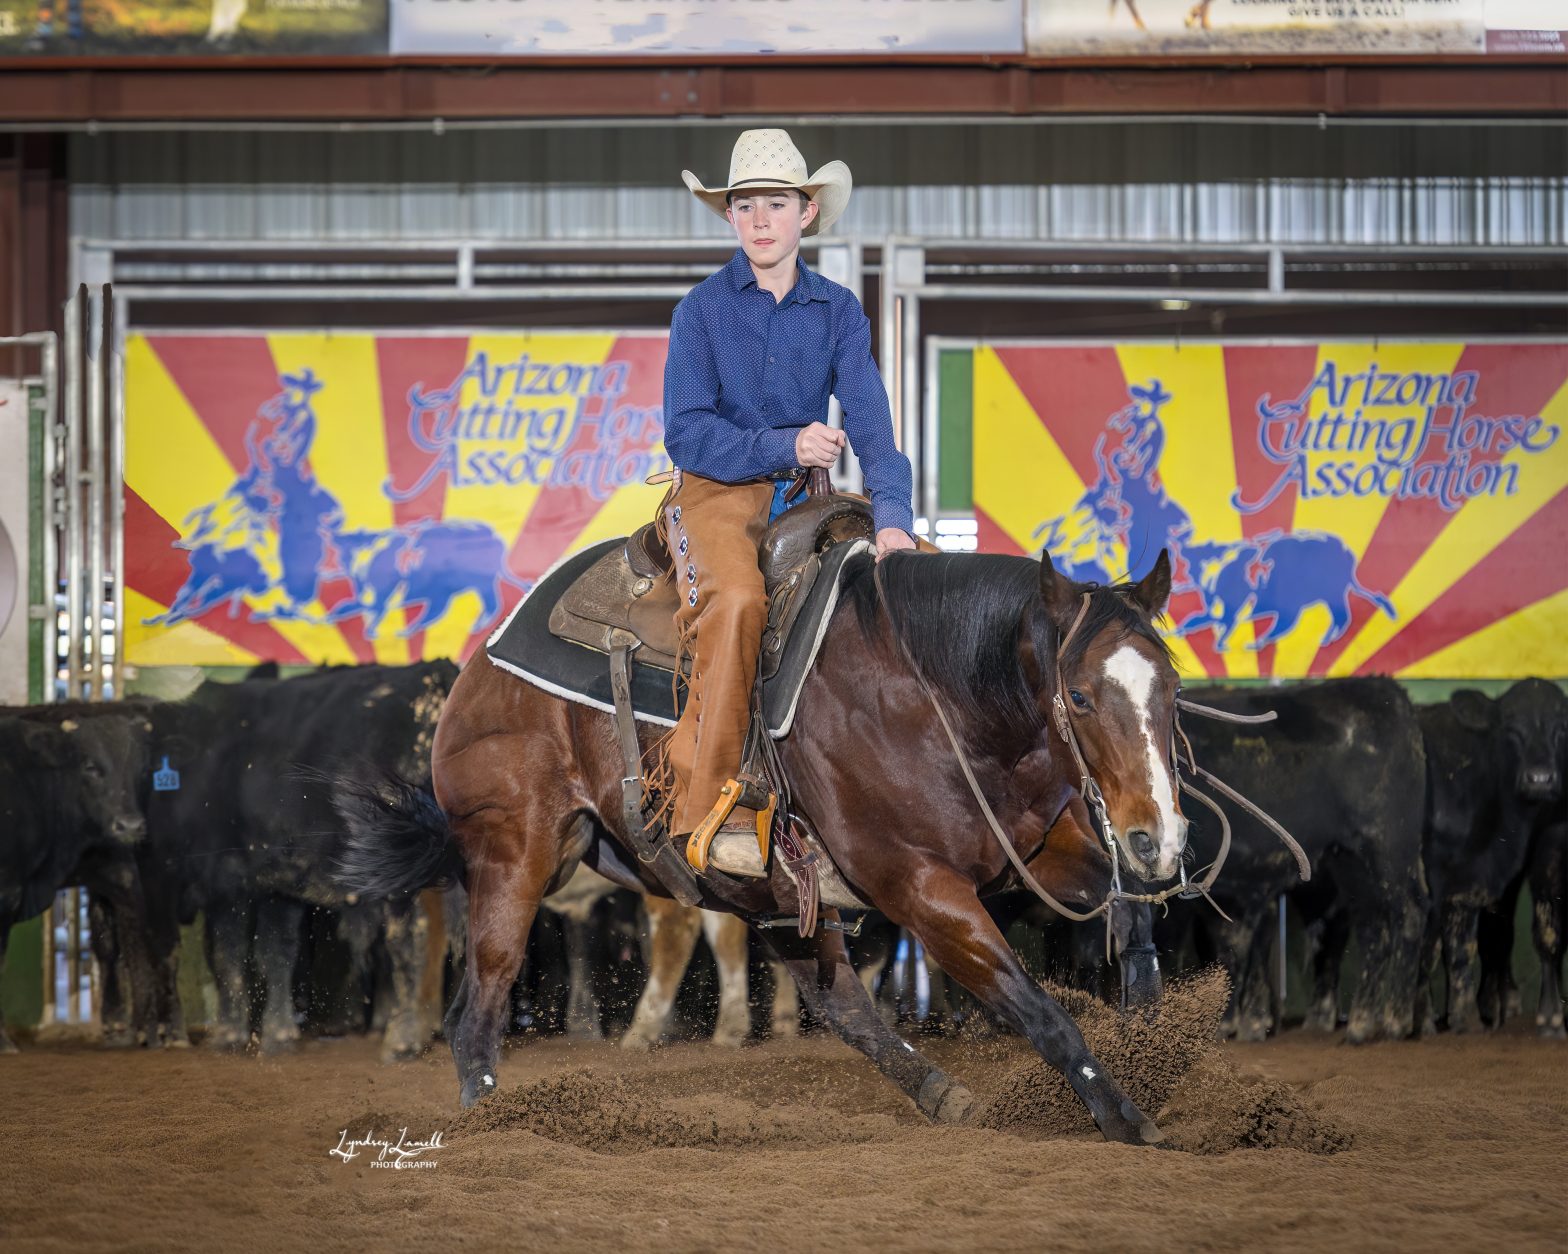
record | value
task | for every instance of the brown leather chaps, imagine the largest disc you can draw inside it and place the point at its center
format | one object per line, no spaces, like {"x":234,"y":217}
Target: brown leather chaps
{"x":713,"y":531}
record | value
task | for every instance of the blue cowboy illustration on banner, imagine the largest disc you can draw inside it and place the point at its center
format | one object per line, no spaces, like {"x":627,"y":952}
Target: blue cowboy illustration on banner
{"x":1275,"y":576}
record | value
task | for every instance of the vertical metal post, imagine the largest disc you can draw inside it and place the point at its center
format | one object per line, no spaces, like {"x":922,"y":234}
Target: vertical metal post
{"x":115,"y":490}
{"x":72,"y":484}
{"x":909,"y":392}
{"x":930,"y":440}
{"x":93,"y":479}
{"x":888,"y":316}
{"x":50,"y":546}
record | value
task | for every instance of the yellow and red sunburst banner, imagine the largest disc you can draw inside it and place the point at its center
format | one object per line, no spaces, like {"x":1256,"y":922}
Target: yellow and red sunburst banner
{"x":1331,"y":508}
{"x":312,"y":498}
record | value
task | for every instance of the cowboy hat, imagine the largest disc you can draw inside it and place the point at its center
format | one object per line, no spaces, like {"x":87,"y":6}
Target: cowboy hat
{"x":765,"y":159}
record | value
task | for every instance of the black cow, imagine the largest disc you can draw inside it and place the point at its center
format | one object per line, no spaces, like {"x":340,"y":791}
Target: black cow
{"x":250,"y":841}
{"x":68,"y":811}
{"x":1494,"y":787}
{"x":1342,"y":769}
{"x":1549,"y":922}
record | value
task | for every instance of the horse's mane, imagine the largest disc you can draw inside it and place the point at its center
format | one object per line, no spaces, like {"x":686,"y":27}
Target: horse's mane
{"x":960,"y":617}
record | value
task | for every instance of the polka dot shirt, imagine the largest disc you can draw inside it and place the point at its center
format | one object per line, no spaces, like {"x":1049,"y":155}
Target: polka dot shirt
{"x":746,"y":372}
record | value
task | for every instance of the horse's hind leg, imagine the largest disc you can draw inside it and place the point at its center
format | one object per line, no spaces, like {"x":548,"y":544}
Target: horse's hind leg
{"x":508,"y":876}
{"x":829,"y":986}
{"x":943,"y":910}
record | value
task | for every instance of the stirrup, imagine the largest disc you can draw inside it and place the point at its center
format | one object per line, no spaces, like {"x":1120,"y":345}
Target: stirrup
{"x":735,"y":792}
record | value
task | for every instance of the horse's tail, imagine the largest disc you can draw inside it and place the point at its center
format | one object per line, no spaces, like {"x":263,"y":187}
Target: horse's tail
{"x":399,"y":840}
{"x":1377,"y":598}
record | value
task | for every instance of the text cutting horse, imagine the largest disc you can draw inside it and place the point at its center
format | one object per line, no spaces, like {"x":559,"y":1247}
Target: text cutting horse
{"x":937,"y":695}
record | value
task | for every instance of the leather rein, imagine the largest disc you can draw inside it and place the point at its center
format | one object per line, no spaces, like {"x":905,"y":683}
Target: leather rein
{"x":1182,"y":759}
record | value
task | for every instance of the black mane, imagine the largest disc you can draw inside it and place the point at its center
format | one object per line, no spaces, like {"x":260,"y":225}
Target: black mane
{"x":961,"y":616}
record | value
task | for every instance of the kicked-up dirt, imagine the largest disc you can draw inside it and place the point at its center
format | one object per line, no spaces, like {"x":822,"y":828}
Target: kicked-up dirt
{"x":1301,"y":1143}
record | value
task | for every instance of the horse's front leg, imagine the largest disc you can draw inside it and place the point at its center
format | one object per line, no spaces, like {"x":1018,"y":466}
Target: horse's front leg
{"x":941,"y":907}
{"x":829,"y":986}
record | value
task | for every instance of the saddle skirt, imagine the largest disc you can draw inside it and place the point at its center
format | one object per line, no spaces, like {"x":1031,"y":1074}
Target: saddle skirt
{"x":558,"y":635}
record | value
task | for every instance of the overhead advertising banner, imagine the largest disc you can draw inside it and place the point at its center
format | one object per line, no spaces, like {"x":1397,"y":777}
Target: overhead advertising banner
{"x":1330,"y":508}
{"x":355,"y":497}
{"x":68,"y":28}
{"x":719,"y":28}
{"x":1196,"y":28}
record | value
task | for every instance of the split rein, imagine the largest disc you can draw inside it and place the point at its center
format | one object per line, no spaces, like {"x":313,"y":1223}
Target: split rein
{"x":1090,"y":790}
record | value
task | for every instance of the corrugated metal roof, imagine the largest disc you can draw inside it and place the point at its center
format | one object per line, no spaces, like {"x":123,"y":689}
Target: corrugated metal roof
{"x":1464,"y":183}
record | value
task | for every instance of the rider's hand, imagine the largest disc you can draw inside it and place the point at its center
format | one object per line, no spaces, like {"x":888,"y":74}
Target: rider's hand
{"x":892,"y":539}
{"x":819,"y":445}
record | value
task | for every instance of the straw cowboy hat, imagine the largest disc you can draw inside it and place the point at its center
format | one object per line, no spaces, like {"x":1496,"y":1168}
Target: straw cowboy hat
{"x":768,"y":159}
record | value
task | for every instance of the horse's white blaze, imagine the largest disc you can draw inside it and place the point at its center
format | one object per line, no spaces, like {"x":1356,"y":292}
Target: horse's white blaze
{"x":1134,"y":674}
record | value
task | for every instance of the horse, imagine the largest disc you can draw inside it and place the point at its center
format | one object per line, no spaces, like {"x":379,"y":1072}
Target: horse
{"x":527,"y":785}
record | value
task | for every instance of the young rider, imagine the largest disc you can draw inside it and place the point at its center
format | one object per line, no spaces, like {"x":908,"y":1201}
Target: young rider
{"x":755,"y":351}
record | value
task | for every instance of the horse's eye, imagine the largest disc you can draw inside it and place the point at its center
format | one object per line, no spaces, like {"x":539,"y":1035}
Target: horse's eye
{"x":1081,"y":701}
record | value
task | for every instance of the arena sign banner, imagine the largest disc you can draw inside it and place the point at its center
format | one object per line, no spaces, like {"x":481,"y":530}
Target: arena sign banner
{"x":1188,"y":28}
{"x":310,"y":498}
{"x":89,"y":28}
{"x":604,"y":28}
{"x":1331,"y":508}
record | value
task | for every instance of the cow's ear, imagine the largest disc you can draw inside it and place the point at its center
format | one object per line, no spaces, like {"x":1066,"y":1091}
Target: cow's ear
{"x":1151,"y":592}
{"x":1474,"y":709}
{"x":1061,"y":599}
{"x":46,"y":745}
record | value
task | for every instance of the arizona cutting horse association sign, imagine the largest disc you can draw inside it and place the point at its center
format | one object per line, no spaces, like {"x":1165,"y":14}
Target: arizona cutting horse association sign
{"x":339,"y":498}
{"x":1332,"y":509}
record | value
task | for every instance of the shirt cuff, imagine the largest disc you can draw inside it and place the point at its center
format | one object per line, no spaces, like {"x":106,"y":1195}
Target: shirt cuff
{"x":776,"y":448}
{"x":893,"y":514}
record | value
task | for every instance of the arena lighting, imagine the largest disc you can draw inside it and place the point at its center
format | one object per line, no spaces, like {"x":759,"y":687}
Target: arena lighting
{"x":1175,"y":306}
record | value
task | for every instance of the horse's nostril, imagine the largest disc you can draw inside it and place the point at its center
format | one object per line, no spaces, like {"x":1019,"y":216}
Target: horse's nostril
{"x":1142,"y":844}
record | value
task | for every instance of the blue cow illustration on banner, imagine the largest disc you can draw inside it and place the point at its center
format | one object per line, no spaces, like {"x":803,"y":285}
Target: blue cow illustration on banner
{"x":267,"y":546}
{"x":1277,"y":575}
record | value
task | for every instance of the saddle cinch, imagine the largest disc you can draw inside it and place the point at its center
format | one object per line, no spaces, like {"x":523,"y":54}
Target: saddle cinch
{"x":625,"y":603}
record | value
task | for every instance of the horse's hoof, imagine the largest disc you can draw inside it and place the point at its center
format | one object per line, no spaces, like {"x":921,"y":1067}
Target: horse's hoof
{"x":943,"y":1100}
{"x":281,"y":1041}
{"x":402,"y":1042}
{"x":731,"y":1038}
{"x":957,"y":1105}
{"x":1552,"y":1029}
{"x":228,"y":1040}
{"x":476,"y":1088}
{"x":7,"y":1045}
{"x":180,"y":1041}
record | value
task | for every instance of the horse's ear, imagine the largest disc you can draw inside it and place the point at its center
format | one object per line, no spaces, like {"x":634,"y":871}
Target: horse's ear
{"x":1061,"y":601}
{"x":1152,"y":591}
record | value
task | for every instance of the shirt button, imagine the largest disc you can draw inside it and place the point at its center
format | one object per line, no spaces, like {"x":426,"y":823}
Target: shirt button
{"x":770,"y":359}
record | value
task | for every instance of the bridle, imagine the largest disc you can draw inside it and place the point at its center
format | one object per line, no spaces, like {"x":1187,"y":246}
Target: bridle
{"x":1089,"y":789}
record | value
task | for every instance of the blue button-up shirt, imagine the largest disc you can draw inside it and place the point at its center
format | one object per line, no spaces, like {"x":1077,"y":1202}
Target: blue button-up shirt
{"x":745,"y":373}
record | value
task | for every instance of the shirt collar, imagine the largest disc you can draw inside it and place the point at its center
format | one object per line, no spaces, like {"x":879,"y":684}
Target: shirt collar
{"x":809,"y":285}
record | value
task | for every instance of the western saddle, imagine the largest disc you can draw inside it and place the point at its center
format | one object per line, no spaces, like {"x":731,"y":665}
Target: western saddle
{"x":625,"y":603}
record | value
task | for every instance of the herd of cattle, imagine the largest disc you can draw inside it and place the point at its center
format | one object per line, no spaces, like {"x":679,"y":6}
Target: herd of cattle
{"x":1423,"y":825}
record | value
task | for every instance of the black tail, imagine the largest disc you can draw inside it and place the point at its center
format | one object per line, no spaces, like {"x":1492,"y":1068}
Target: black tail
{"x":398,"y":838}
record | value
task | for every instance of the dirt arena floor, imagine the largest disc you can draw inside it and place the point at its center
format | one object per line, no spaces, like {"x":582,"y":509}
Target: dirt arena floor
{"x":1447,"y":1144}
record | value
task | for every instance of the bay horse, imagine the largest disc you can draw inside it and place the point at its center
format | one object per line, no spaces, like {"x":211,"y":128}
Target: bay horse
{"x":528,"y":784}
